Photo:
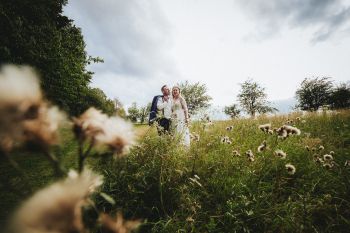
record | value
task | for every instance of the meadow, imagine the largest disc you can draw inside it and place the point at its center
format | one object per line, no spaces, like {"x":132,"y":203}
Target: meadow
{"x":214,"y":186}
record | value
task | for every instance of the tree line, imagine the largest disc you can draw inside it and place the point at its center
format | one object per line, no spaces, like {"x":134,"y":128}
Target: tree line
{"x":36,"y":33}
{"x":312,"y":94}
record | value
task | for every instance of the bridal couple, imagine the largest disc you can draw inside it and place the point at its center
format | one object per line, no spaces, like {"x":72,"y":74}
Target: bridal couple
{"x":173,"y":113}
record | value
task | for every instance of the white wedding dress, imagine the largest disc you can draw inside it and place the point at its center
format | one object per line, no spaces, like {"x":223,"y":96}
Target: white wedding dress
{"x":179,"y":121}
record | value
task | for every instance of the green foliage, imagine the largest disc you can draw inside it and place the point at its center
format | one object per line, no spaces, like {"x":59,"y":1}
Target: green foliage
{"x":340,"y":96}
{"x":252,"y":98}
{"x":96,"y":97}
{"x":119,"y":108}
{"x":34,"y":32}
{"x":155,"y":181}
{"x":195,"y":95}
{"x":143,"y":112}
{"x":232,"y":111}
{"x":133,"y":112}
{"x":314,"y":93}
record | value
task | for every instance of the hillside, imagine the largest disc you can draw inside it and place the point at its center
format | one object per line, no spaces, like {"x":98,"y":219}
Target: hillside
{"x":214,"y":186}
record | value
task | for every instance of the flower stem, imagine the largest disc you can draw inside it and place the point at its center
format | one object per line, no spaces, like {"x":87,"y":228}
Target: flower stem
{"x":83,"y":155}
{"x":55,"y":162}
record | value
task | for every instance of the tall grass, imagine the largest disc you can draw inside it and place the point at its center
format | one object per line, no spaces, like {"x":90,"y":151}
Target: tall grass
{"x":207,"y":188}
{"x":157,"y":183}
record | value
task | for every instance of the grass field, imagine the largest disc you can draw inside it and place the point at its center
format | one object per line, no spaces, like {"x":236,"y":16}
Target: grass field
{"x":209,"y":188}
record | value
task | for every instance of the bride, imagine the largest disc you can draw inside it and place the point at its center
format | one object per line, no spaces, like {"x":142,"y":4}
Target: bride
{"x":180,"y":116}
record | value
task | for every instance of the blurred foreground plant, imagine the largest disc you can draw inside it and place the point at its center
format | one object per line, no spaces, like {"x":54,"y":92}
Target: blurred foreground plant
{"x":27,"y":118}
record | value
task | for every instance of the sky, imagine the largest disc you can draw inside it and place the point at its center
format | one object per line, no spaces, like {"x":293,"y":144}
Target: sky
{"x":220,"y":43}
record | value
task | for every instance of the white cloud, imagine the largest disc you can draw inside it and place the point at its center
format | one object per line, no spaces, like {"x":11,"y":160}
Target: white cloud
{"x":148,"y":43}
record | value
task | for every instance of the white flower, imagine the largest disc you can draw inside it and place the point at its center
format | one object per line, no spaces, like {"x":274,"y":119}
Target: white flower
{"x":280,"y":153}
{"x":265,"y":127}
{"x":290,"y":169}
{"x":327,"y":157}
{"x":229,"y":128}
{"x":57,"y":208}
{"x":117,"y":134}
{"x":113,"y":132}
{"x":235,"y":153}
{"x":249,"y":154}
{"x":19,"y":86}
{"x":262,"y":146}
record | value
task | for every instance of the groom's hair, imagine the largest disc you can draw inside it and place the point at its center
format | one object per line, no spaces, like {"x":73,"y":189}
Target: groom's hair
{"x":163,"y":87}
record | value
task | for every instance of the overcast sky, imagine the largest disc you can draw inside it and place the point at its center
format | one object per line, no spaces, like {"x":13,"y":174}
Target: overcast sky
{"x":221,"y":43}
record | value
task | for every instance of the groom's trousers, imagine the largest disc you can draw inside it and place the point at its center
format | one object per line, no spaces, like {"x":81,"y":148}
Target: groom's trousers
{"x":165,"y":125}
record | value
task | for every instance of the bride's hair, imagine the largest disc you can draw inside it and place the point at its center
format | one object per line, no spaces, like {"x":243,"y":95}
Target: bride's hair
{"x":178,"y":89}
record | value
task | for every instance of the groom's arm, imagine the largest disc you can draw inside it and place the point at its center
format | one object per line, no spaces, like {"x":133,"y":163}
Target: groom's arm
{"x":160,"y":104}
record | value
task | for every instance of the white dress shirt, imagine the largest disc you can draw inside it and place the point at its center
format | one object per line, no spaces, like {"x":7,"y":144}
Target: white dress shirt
{"x":165,"y":106}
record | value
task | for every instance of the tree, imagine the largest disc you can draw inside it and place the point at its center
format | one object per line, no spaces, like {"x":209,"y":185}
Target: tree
{"x":133,"y":112}
{"x":340,"y":96}
{"x":252,"y":98}
{"x":232,"y":111}
{"x":314,"y":93}
{"x":195,"y":95}
{"x":143,"y":112}
{"x":36,"y":33}
{"x":119,"y":108}
{"x":96,"y":97}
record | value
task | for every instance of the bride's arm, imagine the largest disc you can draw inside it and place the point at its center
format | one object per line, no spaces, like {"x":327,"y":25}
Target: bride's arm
{"x":185,"y":108}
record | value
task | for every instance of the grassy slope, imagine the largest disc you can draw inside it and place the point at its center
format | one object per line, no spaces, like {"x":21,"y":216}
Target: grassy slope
{"x":236,"y":195}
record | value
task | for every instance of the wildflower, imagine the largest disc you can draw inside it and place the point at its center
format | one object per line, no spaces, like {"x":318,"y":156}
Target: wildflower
{"x":289,"y":122}
{"x":197,"y":177}
{"x":229,"y":128}
{"x":195,"y":137}
{"x":292,"y":130}
{"x":43,"y":129}
{"x":331,"y":152}
{"x":57,"y":208}
{"x":102,"y":130}
{"x":250,"y":155}
{"x":117,"y":225}
{"x":328,"y":165}
{"x":270,"y":131}
{"x":317,"y":159}
{"x":229,"y":142}
{"x":280,"y":153}
{"x":236,"y":153}
{"x":265,"y":127}
{"x":327,"y":157}
{"x":262,"y":146}
{"x":189,"y":219}
{"x":282,"y":133}
{"x":307,"y":148}
{"x":298,"y":119}
{"x":19,"y":87}
{"x":225,"y":139}
{"x":195,"y":181}
{"x":24,"y":115}
{"x":117,"y":135}
{"x":290,"y":169}
{"x":347,"y":163}
{"x":321,"y":147}
{"x":89,"y":124}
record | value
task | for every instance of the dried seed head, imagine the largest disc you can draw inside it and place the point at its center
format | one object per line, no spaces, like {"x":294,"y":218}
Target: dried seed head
{"x":280,"y":153}
{"x":290,"y":169}
{"x":57,"y":208}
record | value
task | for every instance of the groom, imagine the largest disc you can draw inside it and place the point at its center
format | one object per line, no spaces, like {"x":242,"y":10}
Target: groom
{"x":164,"y":108}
